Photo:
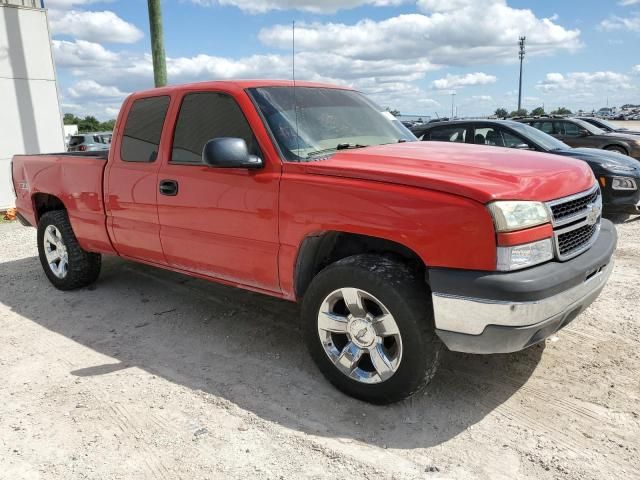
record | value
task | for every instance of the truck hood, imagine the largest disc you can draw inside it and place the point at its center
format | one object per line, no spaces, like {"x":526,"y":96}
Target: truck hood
{"x":478,"y":172}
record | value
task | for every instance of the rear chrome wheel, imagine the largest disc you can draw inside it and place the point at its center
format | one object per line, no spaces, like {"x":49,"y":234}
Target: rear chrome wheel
{"x":56,"y":252}
{"x":360,"y":335}
{"x":65,"y":263}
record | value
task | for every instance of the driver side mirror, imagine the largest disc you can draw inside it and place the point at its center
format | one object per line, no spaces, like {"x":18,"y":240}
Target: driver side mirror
{"x":584,"y":132}
{"x":522,"y":146}
{"x":226,"y":152}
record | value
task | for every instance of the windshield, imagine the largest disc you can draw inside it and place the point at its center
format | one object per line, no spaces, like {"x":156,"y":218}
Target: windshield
{"x":609,"y":125}
{"x":545,"y":140}
{"x":590,"y":128}
{"x":327,"y":120}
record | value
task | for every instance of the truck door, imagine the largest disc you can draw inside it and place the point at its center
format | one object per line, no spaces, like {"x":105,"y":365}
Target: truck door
{"x":131,"y":181}
{"x":218,"y":222}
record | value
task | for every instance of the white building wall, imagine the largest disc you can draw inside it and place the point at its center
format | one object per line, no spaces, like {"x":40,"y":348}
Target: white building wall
{"x":30,"y":117}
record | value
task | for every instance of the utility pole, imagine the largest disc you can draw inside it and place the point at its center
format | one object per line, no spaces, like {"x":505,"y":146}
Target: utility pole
{"x":521,"y":55}
{"x":453,"y":96}
{"x":157,"y":43}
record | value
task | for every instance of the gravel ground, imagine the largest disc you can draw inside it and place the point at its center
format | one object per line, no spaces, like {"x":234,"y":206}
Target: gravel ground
{"x":151,"y":374}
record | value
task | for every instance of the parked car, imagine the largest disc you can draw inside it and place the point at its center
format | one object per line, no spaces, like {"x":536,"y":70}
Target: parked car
{"x":618,"y":175}
{"x":607,"y":126}
{"x":89,"y":142}
{"x":392,"y":246}
{"x":578,"y":133}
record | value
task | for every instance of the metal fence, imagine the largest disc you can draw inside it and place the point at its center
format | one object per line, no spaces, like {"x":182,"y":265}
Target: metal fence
{"x":24,"y":3}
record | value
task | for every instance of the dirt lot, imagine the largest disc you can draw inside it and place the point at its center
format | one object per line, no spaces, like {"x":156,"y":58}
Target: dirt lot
{"x":150,"y":374}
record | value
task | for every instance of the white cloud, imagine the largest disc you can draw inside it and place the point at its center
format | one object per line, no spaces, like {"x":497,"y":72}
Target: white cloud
{"x":93,"y":89}
{"x":614,"y":22}
{"x":314,"y":6}
{"x":452,"y":82}
{"x":585,"y":82}
{"x":98,"y":27}
{"x":473,"y":33}
{"x":636,"y":69}
{"x":64,"y":4}
{"x":482,"y":98}
{"x":626,"y":3}
{"x":81,"y":53}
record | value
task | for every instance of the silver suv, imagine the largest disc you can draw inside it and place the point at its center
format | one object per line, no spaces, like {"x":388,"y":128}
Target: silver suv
{"x":90,"y":142}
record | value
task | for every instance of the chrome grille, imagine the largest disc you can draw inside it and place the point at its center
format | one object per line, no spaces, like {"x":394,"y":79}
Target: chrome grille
{"x":574,"y":207}
{"x":576,"y":222}
{"x":575,"y":239}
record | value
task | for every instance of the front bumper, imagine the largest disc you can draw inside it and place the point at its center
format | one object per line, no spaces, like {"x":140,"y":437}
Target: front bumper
{"x":619,"y":201}
{"x":489,"y":312}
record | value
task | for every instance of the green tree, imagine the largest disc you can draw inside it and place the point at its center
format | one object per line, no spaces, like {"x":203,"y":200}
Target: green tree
{"x":561,"y":111}
{"x":88,"y":124}
{"x":394,"y":112}
{"x":501,"y":112}
{"x":70,"y":119}
{"x":536,"y":112}
{"x":107,"y":126}
{"x":519,"y":113}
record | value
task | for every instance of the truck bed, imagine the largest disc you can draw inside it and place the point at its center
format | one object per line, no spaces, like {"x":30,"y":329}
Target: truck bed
{"x":99,"y":154}
{"x":73,"y":178}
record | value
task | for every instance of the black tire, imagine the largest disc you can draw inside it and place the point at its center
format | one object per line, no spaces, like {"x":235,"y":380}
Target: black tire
{"x":83,"y":267}
{"x":616,"y":148}
{"x":407,"y":298}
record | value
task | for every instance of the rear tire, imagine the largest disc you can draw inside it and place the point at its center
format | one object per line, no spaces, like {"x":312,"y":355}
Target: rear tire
{"x":381,"y":349}
{"x":615,"y":148}
{"x":65,"y":263}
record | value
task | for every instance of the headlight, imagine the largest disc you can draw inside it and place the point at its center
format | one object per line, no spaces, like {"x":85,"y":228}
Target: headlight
{"x":623,"y":183}
{"x":517,"y":215}
{"x":522,"y":256}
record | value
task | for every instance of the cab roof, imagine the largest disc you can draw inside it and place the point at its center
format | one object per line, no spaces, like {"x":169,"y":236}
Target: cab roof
{"x":231,"y":85}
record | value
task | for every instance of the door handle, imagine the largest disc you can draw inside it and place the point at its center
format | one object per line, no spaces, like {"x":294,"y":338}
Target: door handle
{"x":169,"y":188}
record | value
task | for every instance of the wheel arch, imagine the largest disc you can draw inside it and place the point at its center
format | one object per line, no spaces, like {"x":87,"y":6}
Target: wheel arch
{"x":45,"y":202}
{"x":616,"y":146}
{"x":321,"y":249}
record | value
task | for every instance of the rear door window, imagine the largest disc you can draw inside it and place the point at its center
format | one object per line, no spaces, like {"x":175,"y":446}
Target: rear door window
{"x":451,"y":133}
{"x":141,"y":137}
{"x":545,"y":126}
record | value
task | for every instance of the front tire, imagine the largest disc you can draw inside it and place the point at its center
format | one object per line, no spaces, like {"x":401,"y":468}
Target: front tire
{"x":368,"y":324}
{"x":617,"y":149}
{"x":65,"y":263}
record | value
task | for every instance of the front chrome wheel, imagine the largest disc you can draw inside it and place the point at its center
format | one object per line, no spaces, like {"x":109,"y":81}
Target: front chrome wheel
{"x":359,"y":335}
{"x":56,"y":252}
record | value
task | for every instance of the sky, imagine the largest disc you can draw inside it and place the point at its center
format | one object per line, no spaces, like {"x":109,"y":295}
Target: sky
{"x":408,"y":55}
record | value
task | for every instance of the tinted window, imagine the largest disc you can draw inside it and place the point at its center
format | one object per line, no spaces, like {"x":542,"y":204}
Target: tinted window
{"x":546,"y":127}
{"x":77,"y":140}
{"x":510,"y":140}
{"x":203,"y":117}
{"x":449,"y":134}
{"x":143,"y":129}
{"x":569,"y":129}
{"x":497,"y":137}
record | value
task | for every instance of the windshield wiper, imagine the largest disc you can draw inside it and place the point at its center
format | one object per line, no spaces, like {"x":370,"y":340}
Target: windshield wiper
{"x":348,"y":146}
{"x":340,"y":146}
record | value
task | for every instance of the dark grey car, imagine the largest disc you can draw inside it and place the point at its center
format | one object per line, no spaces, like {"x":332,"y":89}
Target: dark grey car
{"x":608,"y":126}
{"x":578,"y":133}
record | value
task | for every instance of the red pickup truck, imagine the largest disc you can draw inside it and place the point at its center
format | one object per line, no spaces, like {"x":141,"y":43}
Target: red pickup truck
{"x":310,"y":193}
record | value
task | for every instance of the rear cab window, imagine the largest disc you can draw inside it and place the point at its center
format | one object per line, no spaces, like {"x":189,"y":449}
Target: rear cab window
{"x":143,"y":129}
{"x":76,"y":140}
